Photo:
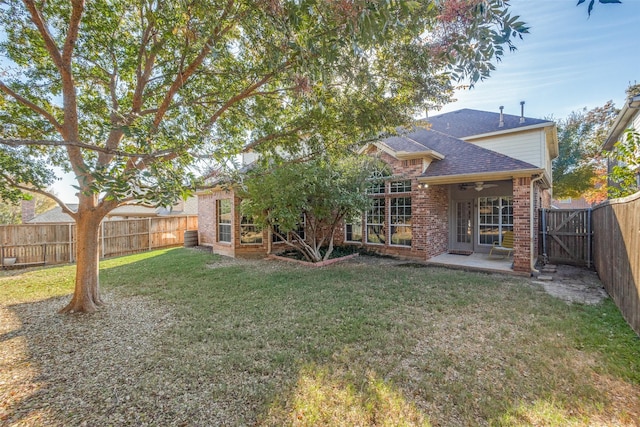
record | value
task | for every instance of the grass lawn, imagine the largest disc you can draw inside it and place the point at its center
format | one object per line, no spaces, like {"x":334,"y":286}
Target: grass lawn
{"x":188,"y":338}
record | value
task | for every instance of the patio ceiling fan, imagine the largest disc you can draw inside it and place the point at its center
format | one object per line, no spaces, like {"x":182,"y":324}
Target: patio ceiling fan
{"x":478,"y":186}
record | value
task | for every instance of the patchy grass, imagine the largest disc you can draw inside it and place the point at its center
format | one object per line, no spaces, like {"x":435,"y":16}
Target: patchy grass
{"x":190,"y":338}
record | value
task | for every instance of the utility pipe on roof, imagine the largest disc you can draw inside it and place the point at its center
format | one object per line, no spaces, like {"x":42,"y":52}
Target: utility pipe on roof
{"x":531,"y":222}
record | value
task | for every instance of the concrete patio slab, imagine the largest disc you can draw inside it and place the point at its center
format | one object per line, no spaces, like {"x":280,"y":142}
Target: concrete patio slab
{"x":476,"y":262}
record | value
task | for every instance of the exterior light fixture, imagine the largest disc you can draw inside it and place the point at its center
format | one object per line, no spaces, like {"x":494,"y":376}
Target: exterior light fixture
{"x":421,"y":186}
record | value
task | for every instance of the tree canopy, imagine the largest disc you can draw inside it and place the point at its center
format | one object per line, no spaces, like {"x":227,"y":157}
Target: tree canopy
{"x":127,"y":94}
{"x":579,"y":164}
{"x":625,"y":174}
{"x":319,"y":194}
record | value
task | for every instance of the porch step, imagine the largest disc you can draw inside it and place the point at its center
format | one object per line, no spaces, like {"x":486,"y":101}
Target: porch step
{"x":545,"y":278}
{"x":548,"y":270}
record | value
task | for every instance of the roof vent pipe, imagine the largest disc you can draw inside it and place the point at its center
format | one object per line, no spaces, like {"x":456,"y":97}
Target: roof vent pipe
{"x":521,"y":111}
{"x":501,"y":124}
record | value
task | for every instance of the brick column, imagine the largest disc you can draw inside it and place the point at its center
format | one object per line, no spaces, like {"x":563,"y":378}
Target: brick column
{"x":522,"y":224}
{"x":437,"y":220}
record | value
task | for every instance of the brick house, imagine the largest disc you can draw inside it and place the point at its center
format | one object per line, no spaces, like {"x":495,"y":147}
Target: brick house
{"x":456,"y":185}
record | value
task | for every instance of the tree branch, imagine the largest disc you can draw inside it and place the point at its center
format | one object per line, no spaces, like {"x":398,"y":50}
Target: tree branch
{"x":84,"y":145}
{"x":183,"y":76}
{"x":49,"y":43}
{"x":30,"y":105}
{"x":271,"y":137}
{"x":246,"y":93}
{"x":72,"y":30}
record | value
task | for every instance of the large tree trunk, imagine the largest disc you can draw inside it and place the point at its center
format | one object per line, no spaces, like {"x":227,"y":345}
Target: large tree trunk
{"x":86,"y":296}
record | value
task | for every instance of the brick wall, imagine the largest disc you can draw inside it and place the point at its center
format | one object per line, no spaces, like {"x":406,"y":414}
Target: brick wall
{"x":206,"y":219}
{"x":437,"y":220}
{"x":521,"y":224}
{"x":429,"y":209}
{"x":207,"y":225}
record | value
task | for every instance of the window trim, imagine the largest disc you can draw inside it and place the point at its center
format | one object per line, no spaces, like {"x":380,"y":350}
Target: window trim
{"x":382,"y":224}
{"x":392,"y":225}
{"x":405,"y":183}
{"x":346,"y":233}
{"x":219,"y":224}
{"x":501,"y":230}
{"x":250,"y":224}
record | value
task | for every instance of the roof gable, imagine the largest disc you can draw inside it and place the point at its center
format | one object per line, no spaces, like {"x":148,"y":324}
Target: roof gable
{"x":460,"y":157}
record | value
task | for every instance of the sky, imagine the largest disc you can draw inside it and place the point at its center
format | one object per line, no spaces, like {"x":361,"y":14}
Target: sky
{"x":567,"y":62}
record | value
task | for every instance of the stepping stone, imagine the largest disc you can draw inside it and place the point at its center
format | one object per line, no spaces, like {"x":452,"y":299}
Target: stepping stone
{"x":548,"y":270}
{"x":545,"y":278}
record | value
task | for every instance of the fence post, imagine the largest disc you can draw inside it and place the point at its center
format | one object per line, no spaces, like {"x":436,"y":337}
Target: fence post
{"x":149,"y":232}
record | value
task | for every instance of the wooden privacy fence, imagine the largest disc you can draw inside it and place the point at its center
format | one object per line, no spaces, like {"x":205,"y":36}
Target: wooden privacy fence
{"x":32,"y":244}
{"x":566,"y":236}
{"x":617,"y":253}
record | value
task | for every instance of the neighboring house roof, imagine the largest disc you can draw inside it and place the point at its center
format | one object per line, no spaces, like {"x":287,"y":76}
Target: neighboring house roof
{"x":622,"y":122}
{"x":189,"y":207}
{"x":459,"y":159}
{"x":570,"y":203}
{"x":54,"y":214}
{"x":475,"y":123}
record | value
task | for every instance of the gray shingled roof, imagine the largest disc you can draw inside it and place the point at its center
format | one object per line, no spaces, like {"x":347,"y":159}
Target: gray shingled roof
{"x":461,"y":157}
{"x":467,"y":122}
{"x":55,"y":214}
{"x":402,"y":143}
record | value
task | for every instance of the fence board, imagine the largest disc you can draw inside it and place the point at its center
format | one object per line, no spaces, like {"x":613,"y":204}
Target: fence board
{"x":56,"y":243}
{"x":616,"y":242}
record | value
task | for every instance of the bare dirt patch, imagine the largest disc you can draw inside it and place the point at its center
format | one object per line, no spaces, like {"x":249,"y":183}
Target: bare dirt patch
{"x":63,"y":370}
{"x":574,"y":285}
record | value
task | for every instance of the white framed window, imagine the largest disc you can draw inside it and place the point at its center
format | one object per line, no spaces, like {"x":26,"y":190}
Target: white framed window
{"x":495,"y":216}
{"x":275,"y":234}
{"x":302,"y":225}
{"x":250,"y":233}
{"x":223,"y":208}
{"x":400,"y":221}
{"x":353,"y":229}
{"x":400,"y":186}
{"x":375,"y":222}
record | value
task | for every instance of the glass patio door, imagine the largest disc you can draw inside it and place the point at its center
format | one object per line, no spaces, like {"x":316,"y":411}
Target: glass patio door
{"x":463,"y":226}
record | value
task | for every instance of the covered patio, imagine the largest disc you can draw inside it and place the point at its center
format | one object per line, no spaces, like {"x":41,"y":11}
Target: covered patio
{"x":477,"y":262}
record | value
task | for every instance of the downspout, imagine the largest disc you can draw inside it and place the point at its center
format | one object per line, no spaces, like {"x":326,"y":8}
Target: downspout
{"x":531,"y":222}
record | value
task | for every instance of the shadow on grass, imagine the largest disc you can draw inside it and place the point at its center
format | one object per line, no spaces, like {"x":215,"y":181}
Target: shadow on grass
{"x":273,"y":344}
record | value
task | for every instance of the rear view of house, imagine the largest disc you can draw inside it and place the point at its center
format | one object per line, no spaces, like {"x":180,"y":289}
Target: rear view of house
{"x":456,"y":184}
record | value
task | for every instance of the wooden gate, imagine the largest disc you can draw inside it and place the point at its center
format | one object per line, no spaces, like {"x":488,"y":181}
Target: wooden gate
{"x":566,"y":236}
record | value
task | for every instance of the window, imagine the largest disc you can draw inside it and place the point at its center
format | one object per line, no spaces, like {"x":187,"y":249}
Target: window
{"x":301,"y":227}
{"x":353,"y":229}
{"x":224,"y":220}
{"x":275,"y":234}
{"x":495,"y":217}
{"x":375,"y":222}
{"x":250,"y":234}
{"x":400,"y":219}
{"x":376,"y":187}
{"x":400,"y":186}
